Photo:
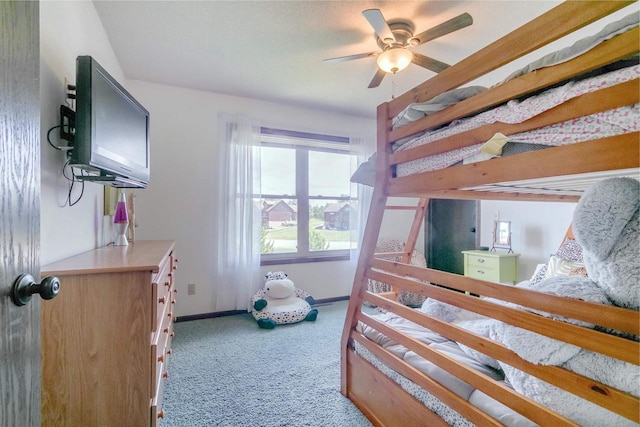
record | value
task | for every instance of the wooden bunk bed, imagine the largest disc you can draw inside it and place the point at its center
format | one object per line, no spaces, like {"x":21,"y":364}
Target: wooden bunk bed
{"x":383,"y":400}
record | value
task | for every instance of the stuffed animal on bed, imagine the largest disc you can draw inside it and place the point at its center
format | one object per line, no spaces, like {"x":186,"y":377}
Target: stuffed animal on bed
{"x":280,"y":302}
{"x":606,"y":225}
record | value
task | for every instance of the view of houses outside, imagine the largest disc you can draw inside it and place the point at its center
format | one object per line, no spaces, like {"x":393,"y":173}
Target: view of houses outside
{"x":328,"y":225}
{"x":298,"y":171}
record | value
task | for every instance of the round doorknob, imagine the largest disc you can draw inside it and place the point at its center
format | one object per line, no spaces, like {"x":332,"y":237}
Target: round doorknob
{"x":25,"y":286}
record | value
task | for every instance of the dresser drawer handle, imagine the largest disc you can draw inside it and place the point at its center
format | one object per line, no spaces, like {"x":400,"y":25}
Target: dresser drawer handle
{"x":161,"y":414}
{"x":165,"y":330}
{"x":167,"y":284}
{"x":161,"y":358}
{"x":161,"y":300}
{"x":165,"y":374}
{"x":480,"y":260}
{"x":169,"y":350}
{"x":479,"y":271}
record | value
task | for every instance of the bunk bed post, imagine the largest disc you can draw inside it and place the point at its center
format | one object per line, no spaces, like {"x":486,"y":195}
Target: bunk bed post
{"x":370,"y":236}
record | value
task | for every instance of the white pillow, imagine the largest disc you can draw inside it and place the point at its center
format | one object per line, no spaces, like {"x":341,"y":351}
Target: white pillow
{"x":419,"y":110}
{"x":562,"y":267}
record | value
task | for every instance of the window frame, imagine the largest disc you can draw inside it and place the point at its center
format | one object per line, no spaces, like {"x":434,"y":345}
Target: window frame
{"x":306,"y":143}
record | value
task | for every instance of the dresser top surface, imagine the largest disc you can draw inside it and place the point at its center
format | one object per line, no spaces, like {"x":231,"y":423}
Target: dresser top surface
{"x":143,"y":255}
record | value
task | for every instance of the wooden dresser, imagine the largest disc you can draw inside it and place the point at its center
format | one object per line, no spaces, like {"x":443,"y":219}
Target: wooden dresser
{"x":498,"y":267}
{"x":107,"y":335}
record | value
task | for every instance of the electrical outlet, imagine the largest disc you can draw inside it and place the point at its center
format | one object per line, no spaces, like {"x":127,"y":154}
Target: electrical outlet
{"x":191,"y":289}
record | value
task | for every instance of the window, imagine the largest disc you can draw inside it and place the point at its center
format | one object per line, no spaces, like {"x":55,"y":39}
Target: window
{"x":308,"y":211}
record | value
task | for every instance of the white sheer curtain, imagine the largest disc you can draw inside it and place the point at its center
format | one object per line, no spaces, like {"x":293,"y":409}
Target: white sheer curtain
{"x":239,"y":216}
{"x":362,"y":148}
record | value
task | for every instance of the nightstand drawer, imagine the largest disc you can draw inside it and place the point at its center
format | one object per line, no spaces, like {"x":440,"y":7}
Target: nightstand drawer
{"x":487,"y":274}
{"x":484,"y":262}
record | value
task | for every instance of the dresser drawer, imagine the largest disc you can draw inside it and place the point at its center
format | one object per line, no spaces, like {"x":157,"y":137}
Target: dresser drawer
{"x":168,"y":332}
{"x":162,"y":284}
{"x":160,"y":347}
{"x":162,"y":333}
{"x":156,"y":402}
{"x":160,"y":350}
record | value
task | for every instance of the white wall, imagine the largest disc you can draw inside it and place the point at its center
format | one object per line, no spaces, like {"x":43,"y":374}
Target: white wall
{"x":537,"y":229}
{"x":68,"y":29}
{"x":180,"y":202}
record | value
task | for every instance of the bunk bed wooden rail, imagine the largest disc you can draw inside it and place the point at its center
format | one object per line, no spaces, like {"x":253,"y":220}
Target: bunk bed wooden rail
{"x":616,"y":152}
{"x":381,"y":398}
{"x":590,"y":103}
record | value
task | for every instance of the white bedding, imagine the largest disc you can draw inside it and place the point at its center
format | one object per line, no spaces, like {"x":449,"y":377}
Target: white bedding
{"x":528,"y":345}
{"x":601,"y":368}
{"x":613,"y":122}
{"x":451,"y":349}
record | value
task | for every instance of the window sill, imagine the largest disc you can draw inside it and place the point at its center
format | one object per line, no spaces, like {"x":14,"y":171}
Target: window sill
{"x":300,"y":260}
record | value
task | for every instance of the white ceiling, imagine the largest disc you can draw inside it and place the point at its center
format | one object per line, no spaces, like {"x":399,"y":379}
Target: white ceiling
{"x":273,"y":50}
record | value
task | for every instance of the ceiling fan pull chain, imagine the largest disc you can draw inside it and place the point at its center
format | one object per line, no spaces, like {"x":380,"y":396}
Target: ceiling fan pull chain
{"x":393,"y":86}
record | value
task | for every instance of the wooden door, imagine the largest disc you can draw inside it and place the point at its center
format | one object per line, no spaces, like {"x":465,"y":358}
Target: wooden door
{"x":19,"y":211}
{"x":450,"y":229}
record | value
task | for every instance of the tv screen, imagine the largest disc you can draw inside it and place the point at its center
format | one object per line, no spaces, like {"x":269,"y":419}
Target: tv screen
{"x":111,"y":139}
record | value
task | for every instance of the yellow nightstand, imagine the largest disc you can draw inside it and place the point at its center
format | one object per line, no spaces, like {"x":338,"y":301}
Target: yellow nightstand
{"x":498,"y":267}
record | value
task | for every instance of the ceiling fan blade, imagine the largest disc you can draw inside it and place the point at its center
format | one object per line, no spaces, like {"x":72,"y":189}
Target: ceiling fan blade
{"x":429,"y":63}
{"x":350,"y":57}
{"x":377,"y":79}
{"x":379,"y":24}
{"x":447,"y":27}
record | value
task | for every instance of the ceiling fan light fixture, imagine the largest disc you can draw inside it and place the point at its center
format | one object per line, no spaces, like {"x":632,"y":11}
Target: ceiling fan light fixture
{"x":394,"y":59}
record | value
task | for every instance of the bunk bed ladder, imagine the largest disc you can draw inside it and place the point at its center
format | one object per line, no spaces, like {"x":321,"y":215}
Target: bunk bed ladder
{"x":370,"y":239}
{"x":410,"y":244}
{"x":367,"y":254}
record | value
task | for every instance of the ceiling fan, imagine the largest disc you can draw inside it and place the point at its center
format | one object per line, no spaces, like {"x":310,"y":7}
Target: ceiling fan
{"x":396,"y":37}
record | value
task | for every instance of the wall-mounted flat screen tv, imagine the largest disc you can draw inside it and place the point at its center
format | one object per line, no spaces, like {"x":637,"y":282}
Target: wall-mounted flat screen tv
{"x":111,"y":139}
